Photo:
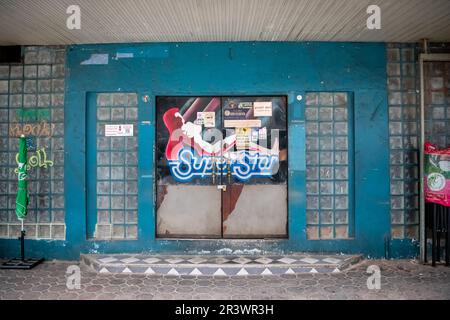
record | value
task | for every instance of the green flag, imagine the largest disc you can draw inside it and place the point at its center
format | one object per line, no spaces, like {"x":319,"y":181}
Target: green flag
{"x":22,"y":192}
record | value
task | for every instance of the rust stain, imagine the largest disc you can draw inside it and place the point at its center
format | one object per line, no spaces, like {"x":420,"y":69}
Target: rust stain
{"x":230,"y":199}
{"x":283,"y":155}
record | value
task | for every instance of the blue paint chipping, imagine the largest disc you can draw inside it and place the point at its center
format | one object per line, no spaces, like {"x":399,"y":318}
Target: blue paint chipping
{"x":238,"y":68}
{"x":96,"y":58}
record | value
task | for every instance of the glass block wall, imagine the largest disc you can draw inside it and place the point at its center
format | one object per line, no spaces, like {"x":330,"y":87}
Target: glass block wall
{"x":437,"y":103}
{"x":32,"y":103}
{"x":404,"y":123}
{"x":117,"y":174}
{"x":328,"y":166}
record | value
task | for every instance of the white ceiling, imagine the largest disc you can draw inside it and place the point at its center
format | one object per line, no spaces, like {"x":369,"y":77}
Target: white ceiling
{"x":106,"y":21}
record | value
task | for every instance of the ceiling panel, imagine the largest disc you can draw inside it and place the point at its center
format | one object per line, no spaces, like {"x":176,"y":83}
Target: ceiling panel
{"x":106,"y":21}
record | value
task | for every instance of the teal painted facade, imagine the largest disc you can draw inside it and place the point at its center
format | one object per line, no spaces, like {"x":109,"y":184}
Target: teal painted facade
{"x":238,"y":68}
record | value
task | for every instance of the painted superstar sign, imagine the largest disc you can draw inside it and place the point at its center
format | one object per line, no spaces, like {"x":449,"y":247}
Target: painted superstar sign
{"x":245,"y":166}
{"x":190,"y":156}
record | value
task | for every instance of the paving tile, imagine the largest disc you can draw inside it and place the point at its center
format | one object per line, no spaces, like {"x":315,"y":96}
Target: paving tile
{"x":184,"y":270}
{"x":129,"y":260}
{"x":253,"y":270}
{"x":241,"y":260}
{"x":264,"y":260}
{"x":197,"y":260}
{"x":207,"y":270}
{"x":151,"y":260}
{"x":286,"y":260}
{"x":332,"y":260}
{"x":309,"y":260}
{"x":107,"y":259}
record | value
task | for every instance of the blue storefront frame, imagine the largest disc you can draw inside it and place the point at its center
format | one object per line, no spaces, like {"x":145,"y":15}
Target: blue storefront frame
{"x":238,"y":68}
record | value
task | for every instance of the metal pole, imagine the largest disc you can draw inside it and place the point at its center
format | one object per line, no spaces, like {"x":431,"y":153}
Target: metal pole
{"x":423,"y":241}
{"x":22,"y":245}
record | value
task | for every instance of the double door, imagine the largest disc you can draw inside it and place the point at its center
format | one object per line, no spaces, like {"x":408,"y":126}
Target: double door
{"x":221,"y":167}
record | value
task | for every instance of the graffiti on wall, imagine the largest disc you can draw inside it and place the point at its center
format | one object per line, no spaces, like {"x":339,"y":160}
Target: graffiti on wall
{"x":38,"y":114}
{"x":38,"y":159}
{"x":40,"y":129}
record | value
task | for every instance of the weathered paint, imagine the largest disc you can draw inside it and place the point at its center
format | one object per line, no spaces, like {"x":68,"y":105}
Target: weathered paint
{"x":240,"y":68}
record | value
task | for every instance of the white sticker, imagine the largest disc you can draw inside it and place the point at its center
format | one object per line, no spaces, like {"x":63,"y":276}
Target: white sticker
{"x":245,"y":105}
{"x":254,"y":123}
{"x":209,"y":119}
{"x":118,"y":130}
{"x":243,"y":138}
{"x":262,"y":133}
{"x":199,"y":120}
{"x":122,"y":55}
{"x":262,"y":109}
{"x":255,"y":135}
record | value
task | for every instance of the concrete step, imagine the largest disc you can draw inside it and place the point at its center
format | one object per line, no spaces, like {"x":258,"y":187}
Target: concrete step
{"x":214,"y":265}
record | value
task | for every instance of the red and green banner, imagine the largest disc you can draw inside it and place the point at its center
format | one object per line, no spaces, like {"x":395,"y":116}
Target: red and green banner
{"x":437,"y":175}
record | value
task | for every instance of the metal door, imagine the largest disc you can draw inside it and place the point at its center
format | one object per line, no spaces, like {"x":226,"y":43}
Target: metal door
{"x":221,"y":167}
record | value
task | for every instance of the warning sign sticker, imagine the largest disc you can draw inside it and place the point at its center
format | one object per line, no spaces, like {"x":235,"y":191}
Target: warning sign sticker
{"x":118,"y":130}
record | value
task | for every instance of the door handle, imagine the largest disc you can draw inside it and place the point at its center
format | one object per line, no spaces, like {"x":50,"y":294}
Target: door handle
{"x":229,"y":171}
{"x":222,"y":187}
{"x":213,"y":175}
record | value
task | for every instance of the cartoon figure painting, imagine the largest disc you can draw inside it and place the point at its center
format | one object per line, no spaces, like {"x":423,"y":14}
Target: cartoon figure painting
{"x":190,"y":156}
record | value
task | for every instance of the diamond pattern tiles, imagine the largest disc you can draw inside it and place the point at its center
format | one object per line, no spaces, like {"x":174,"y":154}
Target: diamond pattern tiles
{"x":202,"y":265}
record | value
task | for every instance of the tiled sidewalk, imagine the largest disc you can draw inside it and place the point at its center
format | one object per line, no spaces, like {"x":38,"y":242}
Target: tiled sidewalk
{"x":400,"y":279}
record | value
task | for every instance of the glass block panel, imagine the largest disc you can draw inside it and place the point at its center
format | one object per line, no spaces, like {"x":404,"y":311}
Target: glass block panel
{"x":341,"y":187}
{"x":312,"y":217}
{"x":341,"y":128}
{"x":312,"y":128}
{"x":341,"y":217}
{"x":312,"y":202}
{"x":326,"y":128}
{"x":312,"y":232}
{"x":326,"y":217}
{"x":325,"y":114}
{"x":312,"y":158}
{"x":404,"y":132}
{"x":312,"y":173}
{"x":326,"y":232}
{"x":326,"y":187}
{"x":327,"y":159}
{"x":117,"y":185}
{"x":312,"y":187}
{"x":341,"y":232}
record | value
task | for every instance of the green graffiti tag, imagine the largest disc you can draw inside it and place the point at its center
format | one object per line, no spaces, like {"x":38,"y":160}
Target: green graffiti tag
{"x":33,"y":114}
{"x":39,"y":159}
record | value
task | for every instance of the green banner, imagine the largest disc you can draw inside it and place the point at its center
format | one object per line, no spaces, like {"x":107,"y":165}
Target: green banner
{"x":22,"y":192}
